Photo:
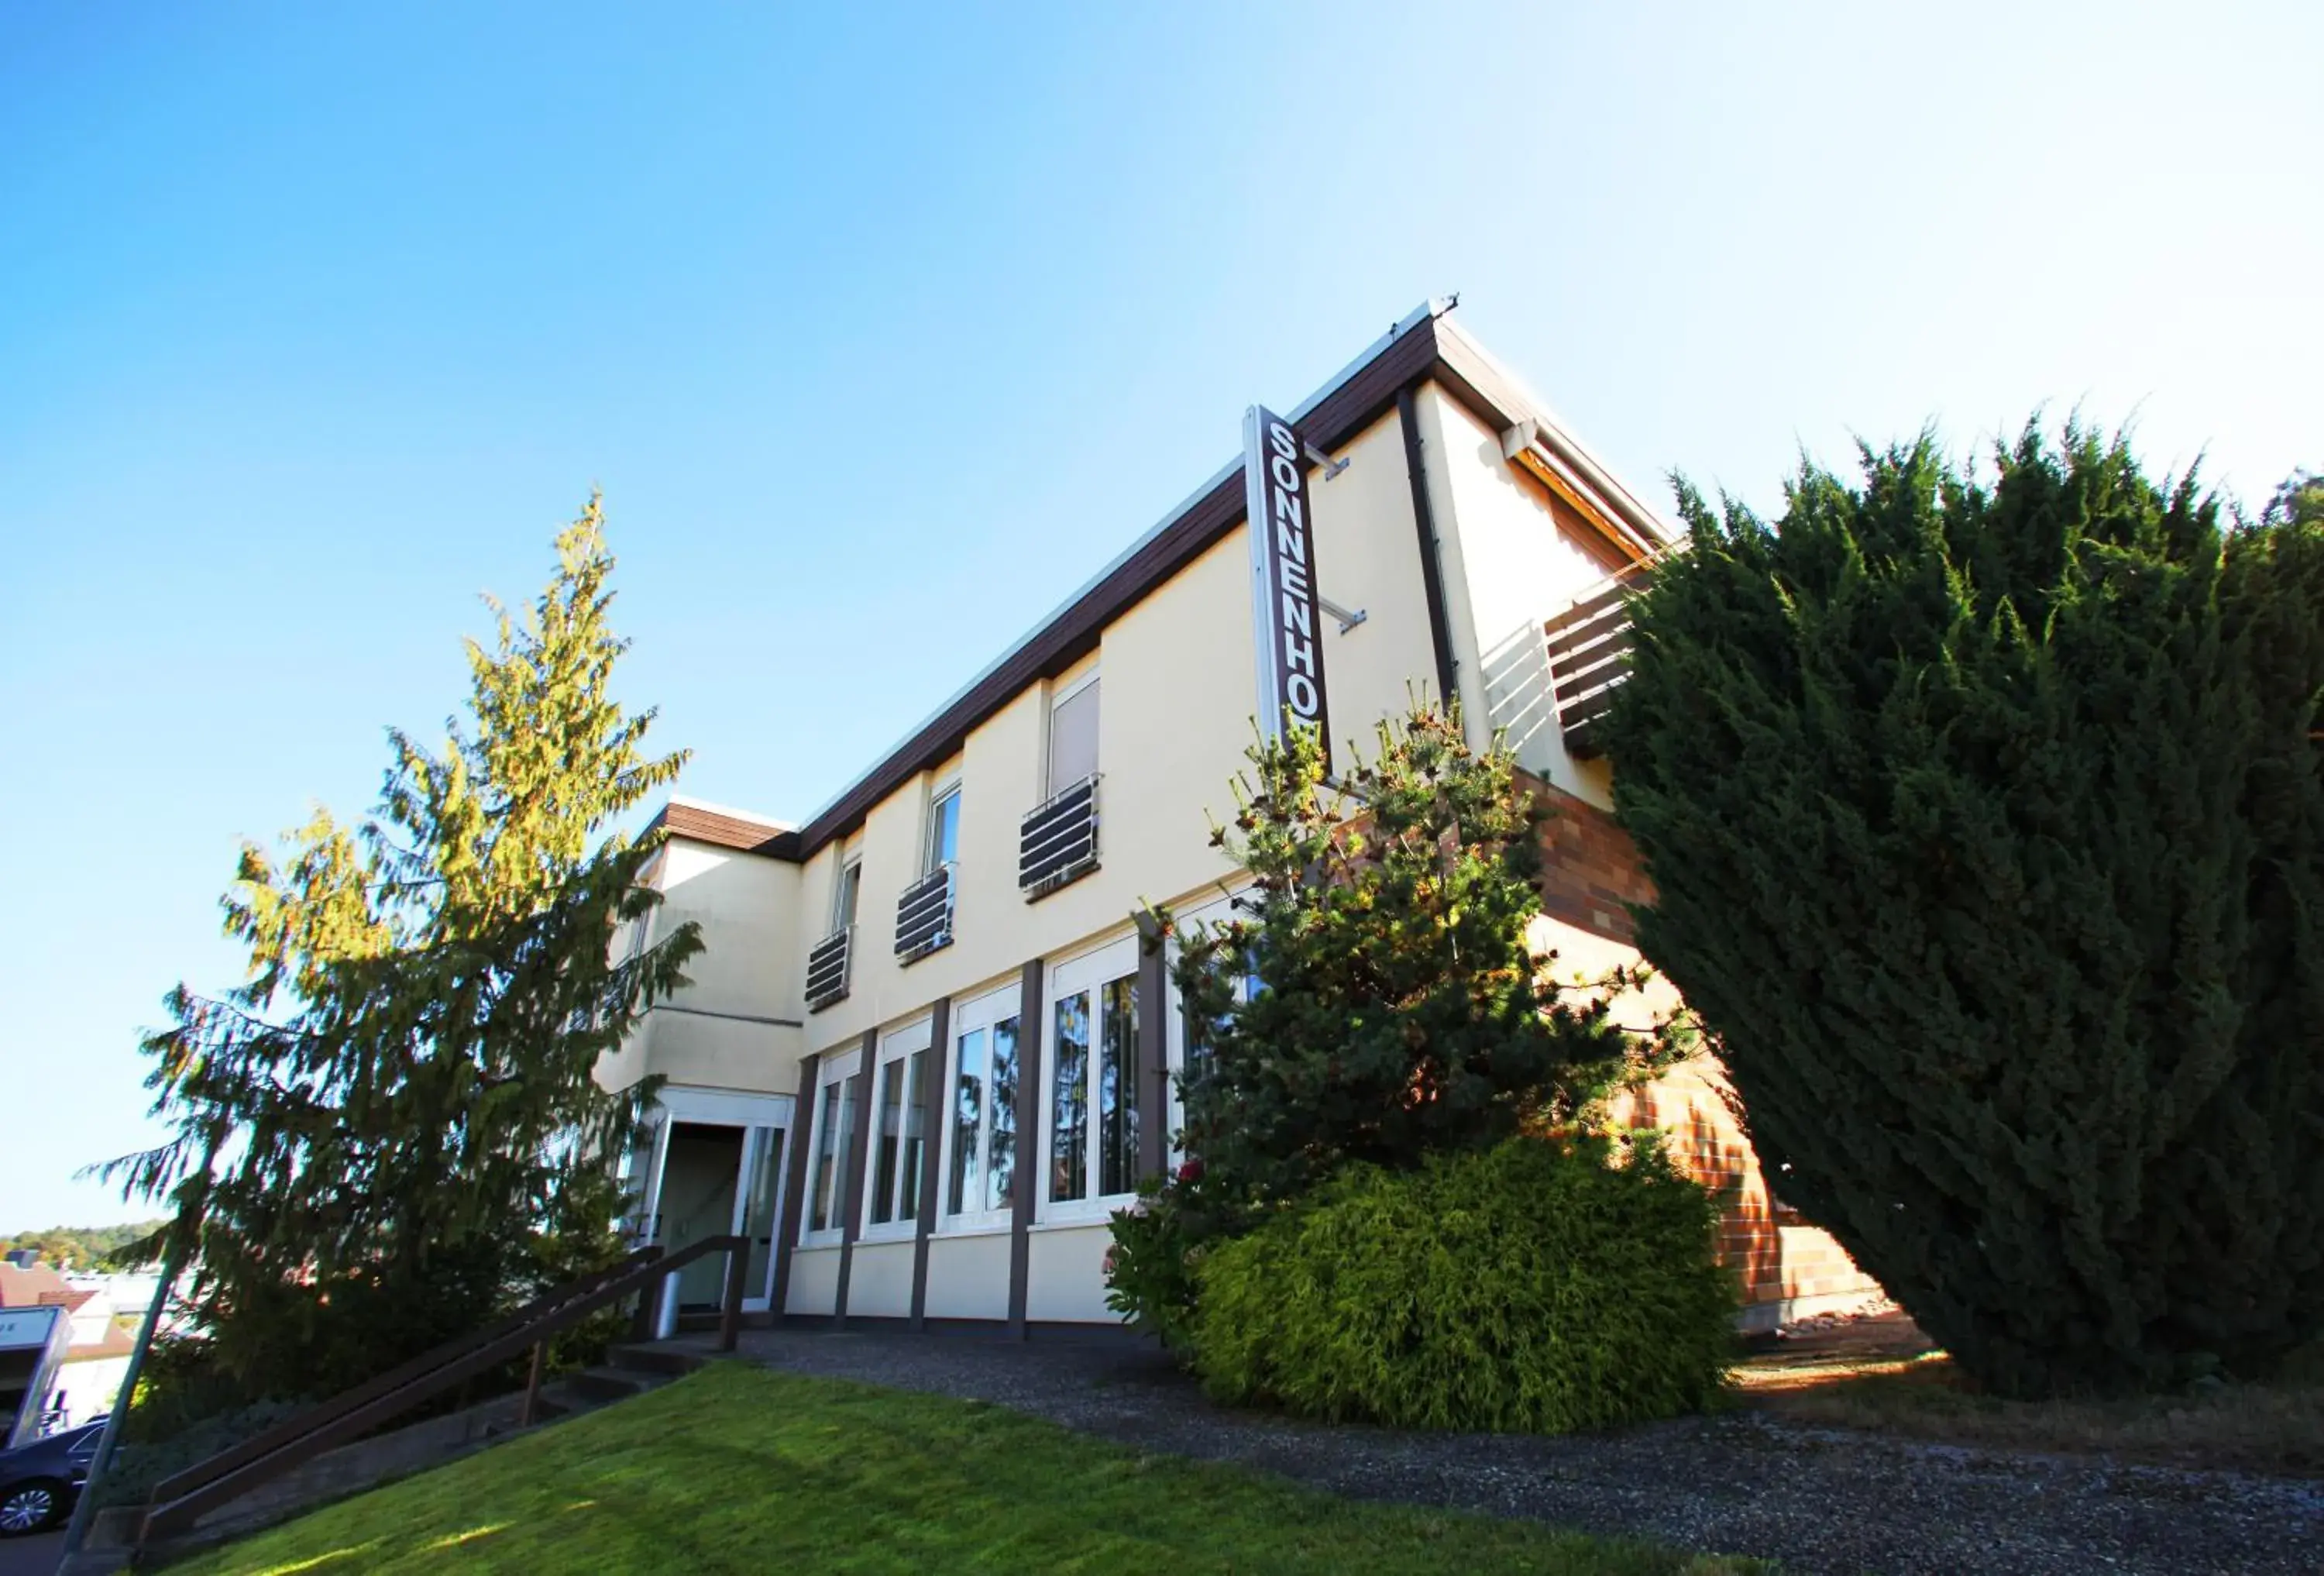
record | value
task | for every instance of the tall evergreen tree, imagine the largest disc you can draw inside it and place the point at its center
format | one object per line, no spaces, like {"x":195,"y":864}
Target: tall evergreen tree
{"x":391,"y":1129}
{"x":1987,"y":828}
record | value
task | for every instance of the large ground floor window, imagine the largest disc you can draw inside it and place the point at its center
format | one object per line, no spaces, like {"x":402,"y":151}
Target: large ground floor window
{"x":835,"y":1131}
{"x":981,"y":1146}
{"x":1189,"y":1042}
{"x":898,"y":1141}
{"x":1096,"y":1090}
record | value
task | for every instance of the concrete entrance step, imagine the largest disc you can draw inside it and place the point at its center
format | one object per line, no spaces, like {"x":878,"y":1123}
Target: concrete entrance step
{"x":670,"y":1360}
{"x":600,"y":1386}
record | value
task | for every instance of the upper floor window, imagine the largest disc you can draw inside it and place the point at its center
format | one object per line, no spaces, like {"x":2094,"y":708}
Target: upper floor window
{"x":1072,"y":736}
{"x":844,"y":895}
{"x":943,"y":829}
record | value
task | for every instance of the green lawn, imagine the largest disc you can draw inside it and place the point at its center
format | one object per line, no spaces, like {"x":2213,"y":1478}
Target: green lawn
{"x":737,"y":1469}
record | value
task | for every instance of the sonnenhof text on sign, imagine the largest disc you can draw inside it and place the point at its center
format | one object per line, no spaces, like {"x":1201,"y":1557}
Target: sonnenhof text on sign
{"x":1283,"y":578}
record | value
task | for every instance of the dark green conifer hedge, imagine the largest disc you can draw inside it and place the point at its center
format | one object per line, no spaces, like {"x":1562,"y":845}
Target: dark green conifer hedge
{"x":1987,"y":828}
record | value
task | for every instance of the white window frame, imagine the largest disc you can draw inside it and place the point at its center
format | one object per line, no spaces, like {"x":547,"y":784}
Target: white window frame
{"x":897,"y":1049}
{"x":1090,"y":971}
{"x":1058,"y":697}
{"x":930,"y":861}
{"x":985,"y":1013}
{"x":831,"y":1070}
{"x":849,"y":860}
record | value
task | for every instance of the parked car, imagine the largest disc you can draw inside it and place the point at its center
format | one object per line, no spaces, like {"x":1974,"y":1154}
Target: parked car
{"x":39,"y":1481}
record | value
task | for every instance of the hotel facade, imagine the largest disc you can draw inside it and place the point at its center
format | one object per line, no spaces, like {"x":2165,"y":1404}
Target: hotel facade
{"x":927,"y":1051}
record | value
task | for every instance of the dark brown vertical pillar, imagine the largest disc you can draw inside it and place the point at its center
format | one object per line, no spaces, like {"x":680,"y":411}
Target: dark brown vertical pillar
{"x":787,"y":1230}
{"x":1029,"y":1143}
{"x":930,"y":1094}
{"x":858,"y":1145}
{"x":1153,"y":1052}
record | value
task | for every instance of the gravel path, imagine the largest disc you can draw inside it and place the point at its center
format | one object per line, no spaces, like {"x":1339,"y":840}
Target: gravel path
{"x":1820,"y":1502}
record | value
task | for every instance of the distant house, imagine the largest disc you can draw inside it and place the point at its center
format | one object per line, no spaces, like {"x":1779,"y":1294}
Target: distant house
{"x":926,"y":1054}
{"x":86,"y":1383}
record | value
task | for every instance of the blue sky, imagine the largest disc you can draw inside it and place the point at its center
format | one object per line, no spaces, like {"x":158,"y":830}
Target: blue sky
{"x":316,"y":322}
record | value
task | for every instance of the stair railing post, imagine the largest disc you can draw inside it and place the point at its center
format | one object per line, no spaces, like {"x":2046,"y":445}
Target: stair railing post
{"x":641,"y":1327}
{"x":730,"y":1317}
{"x":532,"y":1385}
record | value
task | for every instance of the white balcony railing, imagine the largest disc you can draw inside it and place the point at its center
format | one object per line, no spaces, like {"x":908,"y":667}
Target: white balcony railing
{"x":1589,"y":650}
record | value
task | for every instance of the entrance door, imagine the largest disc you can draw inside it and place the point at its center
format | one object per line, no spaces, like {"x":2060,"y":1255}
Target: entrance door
{"x":715,"y":1166}
{"x":700,"y":1172}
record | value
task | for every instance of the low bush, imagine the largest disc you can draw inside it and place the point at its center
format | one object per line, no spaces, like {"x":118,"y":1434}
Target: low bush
{"x":1149,"y":1270}
{"x":1538,"y":1287}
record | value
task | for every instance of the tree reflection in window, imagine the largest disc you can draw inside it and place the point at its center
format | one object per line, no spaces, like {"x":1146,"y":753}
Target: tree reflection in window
{"x":1001,"y":1145}
{"x":1069,"y":1110}
{"x":1117,"y":1090}
{"x":967,"y":1123}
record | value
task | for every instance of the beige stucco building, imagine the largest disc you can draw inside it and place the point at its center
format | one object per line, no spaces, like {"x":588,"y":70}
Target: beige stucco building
{"x":926,"y":1054}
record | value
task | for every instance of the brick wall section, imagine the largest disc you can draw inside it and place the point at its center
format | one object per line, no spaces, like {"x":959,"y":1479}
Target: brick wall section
{"x":1590,"y":873}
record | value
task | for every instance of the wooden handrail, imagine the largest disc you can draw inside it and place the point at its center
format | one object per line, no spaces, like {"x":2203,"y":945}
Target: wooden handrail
{"x":176,"y":1505}
{"x":300,"y":1425}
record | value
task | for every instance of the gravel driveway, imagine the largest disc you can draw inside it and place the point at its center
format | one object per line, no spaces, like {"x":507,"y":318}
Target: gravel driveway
{"x":1820,"y":1502}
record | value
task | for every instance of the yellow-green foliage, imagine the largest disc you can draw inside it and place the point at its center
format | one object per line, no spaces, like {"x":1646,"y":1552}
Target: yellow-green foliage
{"x":1531,"y":1287}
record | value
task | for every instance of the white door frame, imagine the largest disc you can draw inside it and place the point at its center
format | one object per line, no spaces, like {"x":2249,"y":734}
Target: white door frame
{"x":753,"y":1114}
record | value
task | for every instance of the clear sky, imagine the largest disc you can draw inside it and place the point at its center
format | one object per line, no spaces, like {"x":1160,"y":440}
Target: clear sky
{"x":883,"y":326}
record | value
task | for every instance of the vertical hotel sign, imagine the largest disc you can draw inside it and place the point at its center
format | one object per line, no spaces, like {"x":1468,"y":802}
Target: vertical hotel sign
{"x":1287,"y":626}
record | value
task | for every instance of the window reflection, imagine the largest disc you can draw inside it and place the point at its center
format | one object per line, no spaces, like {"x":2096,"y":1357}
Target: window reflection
{"x":891,"y":1137}
{"x":1000,"y":1172}
{"x":1069,"y":1111}
{"x":910,"y":1155}
{"x":1117,"y":1092}
{"x":967,"y":1122}
{"x":830,"y":1135}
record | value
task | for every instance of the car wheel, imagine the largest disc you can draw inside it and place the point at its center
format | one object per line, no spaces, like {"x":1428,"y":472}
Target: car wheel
{"x":29,"y":1507}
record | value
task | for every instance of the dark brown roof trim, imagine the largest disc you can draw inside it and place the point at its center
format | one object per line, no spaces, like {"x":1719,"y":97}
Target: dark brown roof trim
{"x":1420,"y":348}
{"x":681,"y":819}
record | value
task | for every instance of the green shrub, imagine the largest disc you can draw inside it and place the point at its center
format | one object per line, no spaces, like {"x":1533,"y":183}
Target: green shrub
{"x":1149,"y":1270}
{"x":1533,"y":1287}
